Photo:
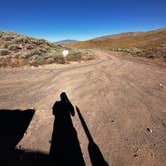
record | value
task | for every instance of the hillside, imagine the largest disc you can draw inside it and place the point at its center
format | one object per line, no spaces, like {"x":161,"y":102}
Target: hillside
{"x":19,"y":50}
{"x":151,"y":44}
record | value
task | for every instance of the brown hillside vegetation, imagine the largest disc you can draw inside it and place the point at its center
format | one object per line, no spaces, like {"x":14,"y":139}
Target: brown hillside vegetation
{"x":151,"y":44}
{"x":19,"y":50}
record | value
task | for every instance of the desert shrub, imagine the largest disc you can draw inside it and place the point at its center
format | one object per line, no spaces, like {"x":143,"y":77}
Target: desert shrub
{"x":37,"y":60}
{"x":29,"y":54}
{"x":18,"y":40}
{"x":50,"y":60}
{"x":1,"y":34}
{"x":151,"y":55}
{"x":7,"y":37}
{"x":53,"y":45}
{"x":29,"y":47}
{"x":25,"y":39}
{"x":7,"y":44}
{"x":21,"y":40}
{"x":42,"y":41}
{"x":4,"y":61}
{"x":88,"y":54}
{"x":15,"y":62}
{"x":59,"y":58}
{"x":38,"y":41}
{"x":90,"y":57}
{"x":135,"y":52}
{"x":14,"y":47}
{"x":74,"y":56}
{"x":132,"y":51}
{"x":24,"y":55}
{"x":44,"y":50}
{"x":4,"y":51}
{"x":51,"y":54}
{"x":36,"y":52}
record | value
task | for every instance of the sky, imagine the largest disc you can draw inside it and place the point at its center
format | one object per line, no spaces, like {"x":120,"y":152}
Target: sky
{"x":56,"y":20}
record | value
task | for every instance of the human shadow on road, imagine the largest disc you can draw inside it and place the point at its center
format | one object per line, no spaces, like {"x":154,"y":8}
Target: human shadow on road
{"x":95,"y":154}
{"x":65,"y":148}
{"x":13,"y":125}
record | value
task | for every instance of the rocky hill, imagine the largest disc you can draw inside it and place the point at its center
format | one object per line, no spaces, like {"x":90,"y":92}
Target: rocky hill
{"x":19,"y":50}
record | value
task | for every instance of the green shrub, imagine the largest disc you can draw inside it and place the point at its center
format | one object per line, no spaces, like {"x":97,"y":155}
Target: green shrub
{"x":1,"y":34}
{"x":29,"y":47}
{"x":7,"y":44}
{"x":37,"y":60}
{"x":14,"y":47}
{"x":59,"y":58}
{"x":132,"y":51}
{"x":74,"y":56}
{"x":7,"y":37}
{"x":4,"y":61}
{"x":24,"y":55}
{"x":4,"y":51}
{"x":38,"y":41}
{"x":90,"y":57}
{"x":36,"y":52}
{"x":44,"y":50}
{"x":18,"y":40}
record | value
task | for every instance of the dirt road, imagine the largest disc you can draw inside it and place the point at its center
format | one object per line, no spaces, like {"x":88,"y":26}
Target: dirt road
{"x":122,"y":101}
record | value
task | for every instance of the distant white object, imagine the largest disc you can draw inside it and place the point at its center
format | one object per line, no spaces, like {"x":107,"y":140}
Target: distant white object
{"x":161,"y":85}
{"x":65,"y":53}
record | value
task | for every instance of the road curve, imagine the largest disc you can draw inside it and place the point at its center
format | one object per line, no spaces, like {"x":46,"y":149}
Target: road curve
{"x":123,"y":102}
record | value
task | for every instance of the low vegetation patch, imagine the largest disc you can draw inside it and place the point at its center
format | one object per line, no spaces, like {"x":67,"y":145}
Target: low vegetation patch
{"x":4,"y":51}
{"x":18,"y":50}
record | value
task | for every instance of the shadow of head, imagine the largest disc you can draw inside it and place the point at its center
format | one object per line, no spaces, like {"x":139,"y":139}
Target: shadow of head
{"x":64,"y":97}
{"x":63,"y":107}
{"x":13,"y":125}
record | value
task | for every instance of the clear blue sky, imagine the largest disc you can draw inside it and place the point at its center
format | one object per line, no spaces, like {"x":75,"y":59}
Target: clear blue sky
{"x":80,"y":19}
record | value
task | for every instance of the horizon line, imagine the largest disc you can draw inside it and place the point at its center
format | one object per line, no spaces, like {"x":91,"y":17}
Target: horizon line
{"x":79,"y":40}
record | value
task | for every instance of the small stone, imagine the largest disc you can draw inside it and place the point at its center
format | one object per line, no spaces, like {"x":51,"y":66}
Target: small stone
{"x":161,"y":85}
{"x":88,"y":113}
{"x":149,"y":130}
{"x":135,"y":155}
